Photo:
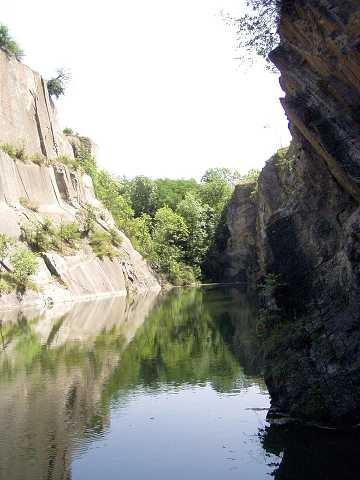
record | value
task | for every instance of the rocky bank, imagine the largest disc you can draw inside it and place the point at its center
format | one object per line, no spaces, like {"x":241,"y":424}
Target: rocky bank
{"x":301,"y":223}
{"x":28,"y":121}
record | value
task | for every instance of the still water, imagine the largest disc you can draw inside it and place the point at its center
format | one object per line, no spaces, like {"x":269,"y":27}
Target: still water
{"x":158,"y":388}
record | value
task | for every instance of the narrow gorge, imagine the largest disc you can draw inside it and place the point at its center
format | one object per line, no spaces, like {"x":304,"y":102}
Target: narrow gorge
{"x":163,"y":326}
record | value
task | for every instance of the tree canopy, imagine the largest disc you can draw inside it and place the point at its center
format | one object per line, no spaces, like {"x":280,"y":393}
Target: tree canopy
{"x":175,"y":223}
{"x":56,"y":86}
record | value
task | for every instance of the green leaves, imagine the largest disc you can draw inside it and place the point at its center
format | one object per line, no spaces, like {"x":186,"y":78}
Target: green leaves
{"x":56,"y":86}
{"x":257,"y":29}
{"x":8,"y":44}
{"x":102,"y":245}
{"x":177,"y":224}
{"x":6,"y":243}
{"x":143,"y":195}
{"x":25,"y":264}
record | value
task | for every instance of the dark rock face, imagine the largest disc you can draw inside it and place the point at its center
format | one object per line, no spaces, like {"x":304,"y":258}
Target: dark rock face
{"x":307,"y":218}
{"x":241,"y":260}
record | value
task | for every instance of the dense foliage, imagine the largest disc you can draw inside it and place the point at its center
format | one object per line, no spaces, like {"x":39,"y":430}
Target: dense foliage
{"x":173,"y":223}
{"x":56,"y":86}
{"x":22,"y":264}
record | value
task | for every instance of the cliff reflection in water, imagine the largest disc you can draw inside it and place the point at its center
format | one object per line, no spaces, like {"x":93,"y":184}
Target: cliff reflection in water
{"x":70,"y":379}
{"x":61,"y":371}
{"x":53,"y":368}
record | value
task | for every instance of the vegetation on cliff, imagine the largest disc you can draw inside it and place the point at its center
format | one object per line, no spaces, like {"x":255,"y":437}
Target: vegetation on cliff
{"x":174,"y":223}
{"x":17,"y":265}
{"x":8,"y":44}
{"x":257,"y":29}
{"x":56,"y":86}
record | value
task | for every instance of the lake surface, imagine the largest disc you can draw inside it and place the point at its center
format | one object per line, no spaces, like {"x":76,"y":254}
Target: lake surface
{"x":158,"y":387}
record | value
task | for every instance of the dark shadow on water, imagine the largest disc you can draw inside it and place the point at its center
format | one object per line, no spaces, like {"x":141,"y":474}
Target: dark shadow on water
{"x":312,"y":454}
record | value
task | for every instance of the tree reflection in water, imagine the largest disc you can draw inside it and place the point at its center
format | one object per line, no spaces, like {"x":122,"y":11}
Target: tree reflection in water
{"x":65,"y":371}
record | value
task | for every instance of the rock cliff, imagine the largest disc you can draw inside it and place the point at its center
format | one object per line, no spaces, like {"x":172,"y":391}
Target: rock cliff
{"x":27,"y":114}
{"x":28,"y":121}
{"x":303,"y":226}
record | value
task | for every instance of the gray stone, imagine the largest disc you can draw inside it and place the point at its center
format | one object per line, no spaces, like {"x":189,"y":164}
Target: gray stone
{"x":307,"y":219}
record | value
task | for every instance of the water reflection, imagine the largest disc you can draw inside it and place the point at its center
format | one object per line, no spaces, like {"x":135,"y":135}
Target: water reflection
{"x":52,"y":370}
{"x":312,"y":453}
{"x":96,"y":391}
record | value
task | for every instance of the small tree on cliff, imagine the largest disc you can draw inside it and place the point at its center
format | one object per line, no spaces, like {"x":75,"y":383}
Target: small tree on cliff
{"x":8,"y":44}
{"x":257,"y":28}
{"x":56,"y":86}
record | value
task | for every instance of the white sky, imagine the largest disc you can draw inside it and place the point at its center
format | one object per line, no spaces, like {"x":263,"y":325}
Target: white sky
{"x":154,"y":83}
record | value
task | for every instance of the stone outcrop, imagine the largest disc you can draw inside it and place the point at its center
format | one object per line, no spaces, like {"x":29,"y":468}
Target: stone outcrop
{"x":59,"y":193}
{"x":30,"y":192}
{"x":307,"y":218}
{"x":27,"y":115}
{"x":240,"y":257}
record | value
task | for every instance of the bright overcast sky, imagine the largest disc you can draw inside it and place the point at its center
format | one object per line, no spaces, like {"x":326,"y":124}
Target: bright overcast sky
{"x":154,"y":83}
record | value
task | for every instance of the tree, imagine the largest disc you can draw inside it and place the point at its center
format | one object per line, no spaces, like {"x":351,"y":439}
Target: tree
{"x":56,"y":86}
{"x":170,"y":227}
{"x":108,"y":190}
{"x":8,"y":44}
{"x":25,"y":264}
{"x":198,"y":220}
{"x":232,"y":177}
{"x":169,"y":236}
{"x":258,"y":28}
{"x":141,"y":232}
{"x":170,"y":192}
{"x":87,"y":218}
{"x":216,"y":192}
{"x":143,"y":194}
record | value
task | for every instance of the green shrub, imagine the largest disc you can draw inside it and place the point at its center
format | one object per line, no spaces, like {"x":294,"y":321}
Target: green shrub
{"x":116,"y":238}
{"x":39,"y":159}
{"x":40,"y":237}
{"x":25,"y":264}
{"x":27,"y":203}
{"x":44,"y":236}
{"x":56,"y":86}
{"x":87,"y":219}
{"x":8,"y":44}
{"x":66,"y":160}
{"x":68,"y":131}
{"x":101,"y":243}
{"x":5,"y":287}
{"x":6,"y":243}
{"x":16,"y":153}
{"x":181,"y":274}
{"x":70,"y":234}
{"x":251,"y":176}
{"x":286,"y":158}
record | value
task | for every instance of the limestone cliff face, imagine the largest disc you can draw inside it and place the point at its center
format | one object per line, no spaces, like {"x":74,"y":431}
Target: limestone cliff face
{"x":27,"y":114}
{"x":308,"y":218}
{"x":28,"y":119}
{"x":58,"y":194}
